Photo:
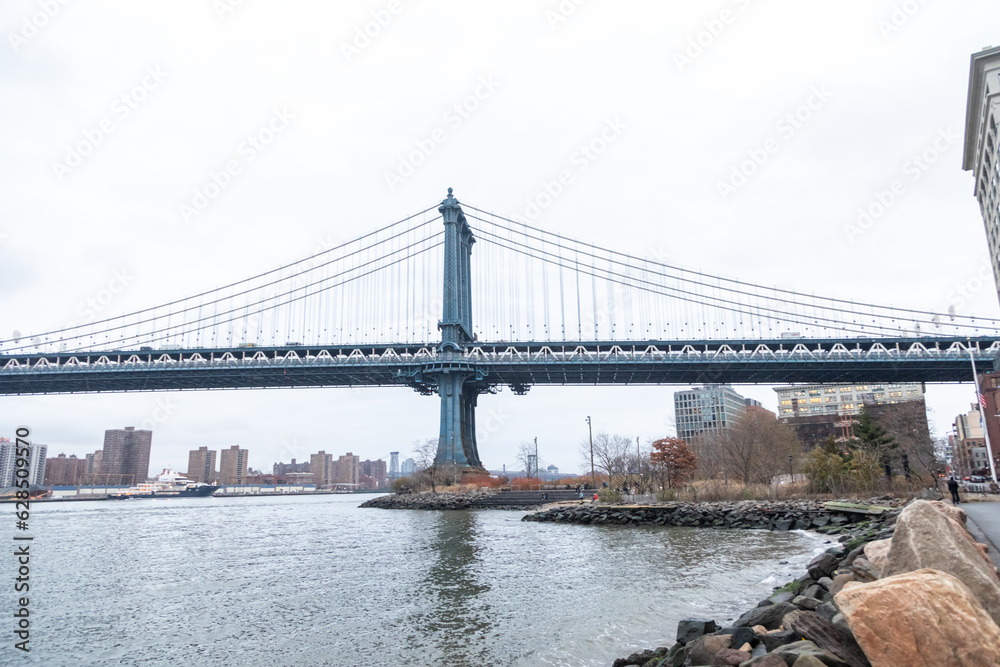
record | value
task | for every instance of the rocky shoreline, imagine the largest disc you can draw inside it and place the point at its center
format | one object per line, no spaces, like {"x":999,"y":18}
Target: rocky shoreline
{"x":854,"y":525}
{"x":846,"y":610}
{"x":430,"y":501}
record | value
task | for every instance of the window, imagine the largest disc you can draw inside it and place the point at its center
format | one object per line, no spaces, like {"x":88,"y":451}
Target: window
{"x":913,"y":392}
{"x":830,"y":390}
{"x":847,"y":389}
{"x":786,"y":411}
{"x":861,"y":387}
{"x":815,"y":400}
{"x":831,"y":399}
{"x":846,"y":397}
{"x":814,"y":392}
{"x":895,"y":393}
{"x":848,"y":406}
{"x":799,"y":393}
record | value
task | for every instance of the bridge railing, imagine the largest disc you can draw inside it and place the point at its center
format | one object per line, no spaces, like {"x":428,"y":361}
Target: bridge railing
{"x":498,"y":354}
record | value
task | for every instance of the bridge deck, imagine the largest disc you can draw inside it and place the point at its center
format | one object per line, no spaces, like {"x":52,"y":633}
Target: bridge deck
{"x":518,"y":365}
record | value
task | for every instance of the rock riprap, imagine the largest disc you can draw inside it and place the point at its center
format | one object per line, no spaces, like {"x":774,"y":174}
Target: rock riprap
{"x":924,"y":618}
{"x":428,"y":501}
{"x":933,"y":535}
{"x":767,"y":515}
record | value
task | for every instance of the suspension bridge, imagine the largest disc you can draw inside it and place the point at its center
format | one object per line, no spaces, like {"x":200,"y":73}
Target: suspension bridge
{"x":406,"y":305}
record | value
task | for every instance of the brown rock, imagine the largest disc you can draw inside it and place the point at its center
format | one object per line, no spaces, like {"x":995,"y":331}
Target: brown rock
{"x":864,"y":571}
{"x":704,"y":648}
{"x":760,"y":630}
{"x":730,"y":657}
{"x":795,"y":650}
{"x":956,"y":514}
{"x":828,"y":637}
{"x":808,"y":661}
{"x":769,"y":660}
{"x":944,"y":625}
{"x":877,"y":551}
{"x":927,"y":537}
{"x":839,"y":581}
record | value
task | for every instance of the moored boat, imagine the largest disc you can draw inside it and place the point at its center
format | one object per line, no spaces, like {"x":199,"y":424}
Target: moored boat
{"x":167,"y":484}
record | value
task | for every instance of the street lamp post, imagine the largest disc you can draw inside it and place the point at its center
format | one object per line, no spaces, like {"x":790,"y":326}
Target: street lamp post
{"x":536,"y":459}
{"x":791,"y":475}
{"x":638,"y":462}
{"x":590,"y":429}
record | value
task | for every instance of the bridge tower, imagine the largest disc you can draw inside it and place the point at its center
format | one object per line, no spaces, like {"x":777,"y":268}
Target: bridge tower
{"x":458,"y":382}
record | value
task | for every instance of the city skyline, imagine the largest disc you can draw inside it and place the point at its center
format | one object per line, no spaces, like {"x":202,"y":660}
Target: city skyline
{"x":808,"y":217}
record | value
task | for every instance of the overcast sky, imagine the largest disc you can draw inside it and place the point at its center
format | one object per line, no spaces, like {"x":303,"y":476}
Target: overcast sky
{"x":116,"y":113}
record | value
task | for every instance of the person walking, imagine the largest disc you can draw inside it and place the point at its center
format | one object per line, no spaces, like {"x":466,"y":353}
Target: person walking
{"x":953,"y":487}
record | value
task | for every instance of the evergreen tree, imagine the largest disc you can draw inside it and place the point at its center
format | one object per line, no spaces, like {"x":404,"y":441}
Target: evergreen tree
{"x":871,"y":435}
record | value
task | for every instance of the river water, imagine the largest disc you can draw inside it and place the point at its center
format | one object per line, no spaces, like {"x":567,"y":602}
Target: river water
{"x":318,"y":581}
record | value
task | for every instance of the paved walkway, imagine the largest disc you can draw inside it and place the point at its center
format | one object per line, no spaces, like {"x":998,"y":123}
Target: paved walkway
{"x":984,"y":524}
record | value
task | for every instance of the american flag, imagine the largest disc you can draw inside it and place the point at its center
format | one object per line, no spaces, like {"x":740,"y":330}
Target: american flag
{"x":982,"y":400}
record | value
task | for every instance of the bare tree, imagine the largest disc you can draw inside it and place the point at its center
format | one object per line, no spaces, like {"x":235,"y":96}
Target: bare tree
{"x":757,"y":447}
{"x":527,"y":460}
{"x":611,"y":455}
{"x":425,"y":454}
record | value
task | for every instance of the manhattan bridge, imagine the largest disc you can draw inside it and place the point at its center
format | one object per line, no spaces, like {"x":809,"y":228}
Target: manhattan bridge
{"x":459,"y":302}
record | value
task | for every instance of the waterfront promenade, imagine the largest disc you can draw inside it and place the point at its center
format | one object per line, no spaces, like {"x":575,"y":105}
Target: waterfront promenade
{"x":984,"y":520}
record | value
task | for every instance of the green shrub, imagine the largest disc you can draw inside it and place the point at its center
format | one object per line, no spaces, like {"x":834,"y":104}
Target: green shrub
{"x":666,"y":495}
{"x":609,"y":496}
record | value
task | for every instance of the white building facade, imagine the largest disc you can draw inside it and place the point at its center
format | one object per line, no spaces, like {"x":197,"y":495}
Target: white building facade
{"x":842,"y":399}
{"x":980,"y":153}
{"x":8,"y":460}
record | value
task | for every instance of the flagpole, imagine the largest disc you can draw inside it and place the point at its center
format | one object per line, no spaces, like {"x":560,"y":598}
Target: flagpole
{"x":981,"y":401}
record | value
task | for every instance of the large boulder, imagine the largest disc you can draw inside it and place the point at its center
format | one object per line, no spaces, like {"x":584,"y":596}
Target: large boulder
{"x":876,"y":552}
{"x":824,"y":634}
{"x":690,"y":629}
{"x":822,"y":565}
{"x":769,"y":616}
{"x":930,"y":536}
{"x":944,"y":625}
{"x":703,"y":649}
{"x":731,"y":657}
{"x":794,"y":651}
{"x":769,"y":660}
